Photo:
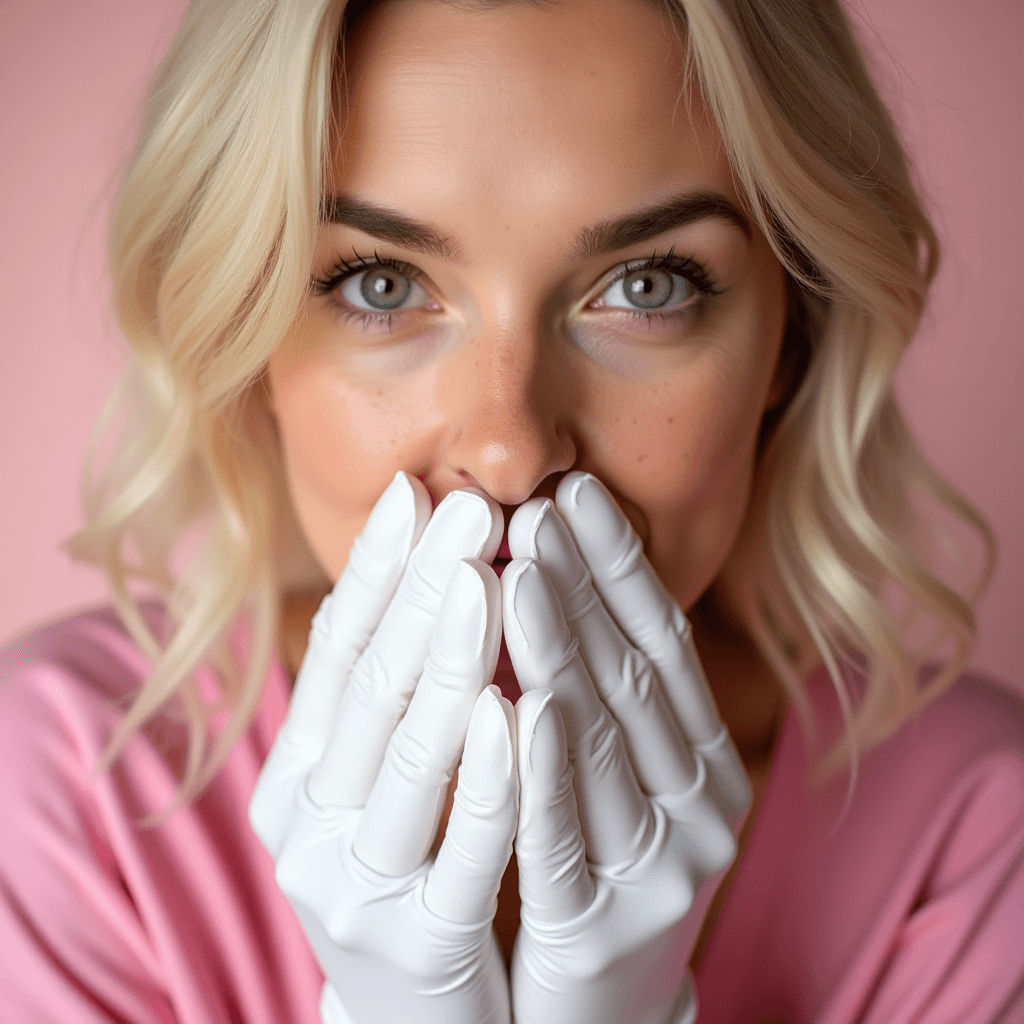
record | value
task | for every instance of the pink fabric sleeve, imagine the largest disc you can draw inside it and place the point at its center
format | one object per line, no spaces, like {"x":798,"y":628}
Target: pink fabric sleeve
{"x":74,"y":947}
{"x":950,"y":945}
{"x":901,"y":902}
{"x":102,"y":920}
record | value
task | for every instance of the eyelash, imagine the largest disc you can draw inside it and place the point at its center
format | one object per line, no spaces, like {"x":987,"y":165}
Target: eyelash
{"x":342,"y":270}
{"x":685,"y":266}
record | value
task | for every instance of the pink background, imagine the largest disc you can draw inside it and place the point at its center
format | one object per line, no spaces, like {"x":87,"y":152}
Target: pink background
{"x":70,"y":78}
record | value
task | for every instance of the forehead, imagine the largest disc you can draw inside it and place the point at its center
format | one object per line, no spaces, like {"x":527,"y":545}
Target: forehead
{"x":522,"y":104}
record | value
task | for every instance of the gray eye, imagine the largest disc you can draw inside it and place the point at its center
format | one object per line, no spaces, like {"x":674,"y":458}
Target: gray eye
{"x":648,"y":289}
{"x":384,"y":288}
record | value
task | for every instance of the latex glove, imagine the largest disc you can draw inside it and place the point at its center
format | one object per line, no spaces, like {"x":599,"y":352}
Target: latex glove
{"x":619,"y":855}
{"x":350,"y":799}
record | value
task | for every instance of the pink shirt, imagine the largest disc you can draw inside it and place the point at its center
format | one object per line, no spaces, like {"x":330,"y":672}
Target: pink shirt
{"x":910,"y":907}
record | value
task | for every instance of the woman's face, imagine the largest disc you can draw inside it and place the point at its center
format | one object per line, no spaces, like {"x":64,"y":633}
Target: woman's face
{"x":534,"y":262}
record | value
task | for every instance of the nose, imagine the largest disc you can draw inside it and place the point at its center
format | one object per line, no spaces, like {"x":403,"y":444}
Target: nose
{"x":508,"y":415}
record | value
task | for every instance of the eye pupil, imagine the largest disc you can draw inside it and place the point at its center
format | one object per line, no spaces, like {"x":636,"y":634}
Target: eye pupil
{"x":384,"y":288}
{"x":648,"y":288}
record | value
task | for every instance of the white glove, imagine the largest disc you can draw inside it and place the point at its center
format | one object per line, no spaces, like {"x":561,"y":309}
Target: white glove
{"x":620,"y":854}
{"x":350,"y":799}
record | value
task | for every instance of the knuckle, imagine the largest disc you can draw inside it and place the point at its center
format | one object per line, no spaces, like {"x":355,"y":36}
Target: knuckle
{"x":460,"y":857}
{"x":724,"y":845}
{"x":714,"y":843}
{"x":418,"y":592}
{"x":559,"y":797}
{"x":264,"y":817}
{"x":582,"y":599}
{"x":678,"y":898}
{"x":369,"y":685}
{"x":412,"y":760}
{"x":291,"y":874}
{"x":715,"y":836}
{"x":666,"y":634}
{"x":343,"y":928}
{"x":678,"y":624}
{"x":552,"y":658}
{"x":627,"y":557}
{"x":638,"y":676}
{"x":476,"y":801}
{"x":371,"y":572}
{"x":601,"y":746}
{"x":467,"y":863}
{"x":452,"y":676}
{"x":666,"y":629}
{"x":333,"y":632}
{"x":565,"y":856}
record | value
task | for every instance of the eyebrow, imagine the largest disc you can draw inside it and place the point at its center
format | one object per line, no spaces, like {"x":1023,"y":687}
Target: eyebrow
{"x":678,"y":210}
{"x":388,"y":225}
{"x":604,"y":237}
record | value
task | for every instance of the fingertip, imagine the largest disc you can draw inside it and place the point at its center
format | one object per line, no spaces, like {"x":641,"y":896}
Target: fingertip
{"x":530,"y":705}
{"x":542,"y":745}
{"x":492,"y":599}
{"x":567,"y":492}
{"x":522,"y":526}
{"x":509,"y":584}
{"x":538,"y":636}
{"x":395,"y":521}
{"x":489,"y":747}
{"x":493,"y":540}
{"x":463,"y":618}
{"x":601,"y":529}
{"x":567,"y":503}
{"x":507,"y":709}
{"x":492,"y":585}
{"x":423,"y":505}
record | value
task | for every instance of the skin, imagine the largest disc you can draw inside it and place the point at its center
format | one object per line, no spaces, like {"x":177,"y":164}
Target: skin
{"x":518,"y":359}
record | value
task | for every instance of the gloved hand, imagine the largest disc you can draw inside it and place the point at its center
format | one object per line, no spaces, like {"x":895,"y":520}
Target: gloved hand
{"x":619,"y":854}
{"x":350,"y":799}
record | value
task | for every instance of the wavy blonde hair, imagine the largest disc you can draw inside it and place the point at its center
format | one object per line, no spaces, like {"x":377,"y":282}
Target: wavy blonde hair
{"x":211,"y":247}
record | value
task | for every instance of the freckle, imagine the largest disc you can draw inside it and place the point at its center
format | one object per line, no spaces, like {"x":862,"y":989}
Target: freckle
{"x":642,"y":457}
{"x":671,"y":419}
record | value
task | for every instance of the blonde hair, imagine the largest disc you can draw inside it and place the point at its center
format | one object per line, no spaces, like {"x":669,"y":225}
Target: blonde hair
{"x":210,"y":251}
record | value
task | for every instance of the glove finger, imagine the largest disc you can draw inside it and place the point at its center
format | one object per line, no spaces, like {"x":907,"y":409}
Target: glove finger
{"x":348,"y":615}
{"x":463,"y":883}
{"x":466,"y":524}
{"x":624,"y":676}
{"x":403,"y":811}
{"x":651,"y":619}
{"x":614,"y":812}
{"x":555,"y":885}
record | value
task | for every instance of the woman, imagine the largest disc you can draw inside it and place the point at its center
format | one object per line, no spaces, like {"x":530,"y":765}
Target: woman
{"x":627,"y":283}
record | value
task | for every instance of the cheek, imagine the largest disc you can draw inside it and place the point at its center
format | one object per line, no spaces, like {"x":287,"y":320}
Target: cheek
{"x":341,"y":445}
{"x":682,"y":453}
